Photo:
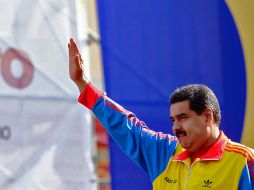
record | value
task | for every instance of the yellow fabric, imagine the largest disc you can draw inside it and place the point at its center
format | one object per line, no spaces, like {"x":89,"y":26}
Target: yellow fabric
{"x":213,"y":174}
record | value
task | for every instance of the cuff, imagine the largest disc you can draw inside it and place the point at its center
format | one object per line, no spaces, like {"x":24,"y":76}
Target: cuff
{"x":89,"y":96}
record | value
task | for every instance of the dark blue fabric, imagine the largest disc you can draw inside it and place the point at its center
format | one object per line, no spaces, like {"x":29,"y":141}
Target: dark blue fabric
{"x":151,"y":47}
{"x":142,"y":145}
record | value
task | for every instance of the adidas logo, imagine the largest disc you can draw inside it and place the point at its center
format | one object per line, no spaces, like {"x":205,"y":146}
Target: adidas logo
{"x":207,"y":183}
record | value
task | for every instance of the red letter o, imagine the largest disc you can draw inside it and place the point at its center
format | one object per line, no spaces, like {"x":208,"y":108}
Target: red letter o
{"x":28,"y":69}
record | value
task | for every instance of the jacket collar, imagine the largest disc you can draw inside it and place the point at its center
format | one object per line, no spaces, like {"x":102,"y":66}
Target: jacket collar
{"x":214,"y":152}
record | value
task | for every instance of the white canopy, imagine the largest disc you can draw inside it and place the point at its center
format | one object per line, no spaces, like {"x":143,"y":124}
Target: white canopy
{"x":45,"y":136}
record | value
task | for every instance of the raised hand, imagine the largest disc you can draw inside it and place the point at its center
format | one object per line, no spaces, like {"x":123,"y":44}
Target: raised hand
{"x":76,"y":66}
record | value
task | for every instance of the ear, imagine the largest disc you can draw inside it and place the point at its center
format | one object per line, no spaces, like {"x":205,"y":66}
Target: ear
{"x":208,"y":113}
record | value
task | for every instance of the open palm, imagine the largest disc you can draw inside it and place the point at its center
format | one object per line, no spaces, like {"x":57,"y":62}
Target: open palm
{"x":76,"y":65}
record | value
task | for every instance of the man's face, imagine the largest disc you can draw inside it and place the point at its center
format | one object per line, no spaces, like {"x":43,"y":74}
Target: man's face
{"x":190,"y":128}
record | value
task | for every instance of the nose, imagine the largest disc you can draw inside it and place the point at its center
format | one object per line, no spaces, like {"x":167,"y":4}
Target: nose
{"x":176,"y":126}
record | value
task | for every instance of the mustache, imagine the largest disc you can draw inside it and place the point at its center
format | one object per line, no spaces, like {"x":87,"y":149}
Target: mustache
{"x":179,"y":133}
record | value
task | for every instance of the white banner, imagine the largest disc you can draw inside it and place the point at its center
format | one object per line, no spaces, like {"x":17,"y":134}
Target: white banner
{"x":45,"y":136}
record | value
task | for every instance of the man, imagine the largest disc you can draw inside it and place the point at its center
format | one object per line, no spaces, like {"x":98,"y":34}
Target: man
{"x":199,"y":156}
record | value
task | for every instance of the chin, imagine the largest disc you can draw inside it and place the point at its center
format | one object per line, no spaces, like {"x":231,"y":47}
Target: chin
{"x":188,"y":147}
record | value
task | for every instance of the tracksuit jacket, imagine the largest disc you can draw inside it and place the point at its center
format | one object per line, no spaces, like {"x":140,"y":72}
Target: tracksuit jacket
{"x":226,"y":165}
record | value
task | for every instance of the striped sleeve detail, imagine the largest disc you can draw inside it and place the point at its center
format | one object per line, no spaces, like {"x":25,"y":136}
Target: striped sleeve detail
{"x":240,"y":149}
{"x":159,"y":135}
{"x":137,"y":123}
{"x":247,"y":152}
{"x":116,"y":106}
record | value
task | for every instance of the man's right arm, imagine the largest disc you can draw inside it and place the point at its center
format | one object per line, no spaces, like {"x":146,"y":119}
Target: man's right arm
{"x":149,"y":150}
{"x":132,"y":135}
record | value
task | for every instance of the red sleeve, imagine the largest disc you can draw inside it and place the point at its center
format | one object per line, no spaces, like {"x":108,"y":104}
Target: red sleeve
{"x":89,"y":96}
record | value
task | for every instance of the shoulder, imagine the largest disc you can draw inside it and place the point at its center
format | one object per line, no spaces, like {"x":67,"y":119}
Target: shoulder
{"x":240,"y":149}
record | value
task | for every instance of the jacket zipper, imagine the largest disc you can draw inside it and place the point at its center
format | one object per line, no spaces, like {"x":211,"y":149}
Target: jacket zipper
{"x":187,"y":177}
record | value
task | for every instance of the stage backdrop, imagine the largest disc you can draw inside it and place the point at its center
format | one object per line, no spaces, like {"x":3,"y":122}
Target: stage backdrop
{"x":152,"y":47}
{"x":45,"y":136}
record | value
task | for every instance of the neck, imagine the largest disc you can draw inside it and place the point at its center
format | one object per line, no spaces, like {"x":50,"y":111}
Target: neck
{"x":214,"y":135}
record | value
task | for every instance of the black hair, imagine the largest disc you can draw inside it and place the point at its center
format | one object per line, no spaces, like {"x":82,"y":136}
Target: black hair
{"x":200,"y":97}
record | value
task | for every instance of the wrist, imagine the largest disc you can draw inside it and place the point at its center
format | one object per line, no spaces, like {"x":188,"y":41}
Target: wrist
{"x":82,"y":84}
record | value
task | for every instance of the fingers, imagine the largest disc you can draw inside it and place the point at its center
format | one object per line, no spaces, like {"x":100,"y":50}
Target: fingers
{"x":79,"y":61}
{"x":73,"y":48}
{"x":75,"y":57}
